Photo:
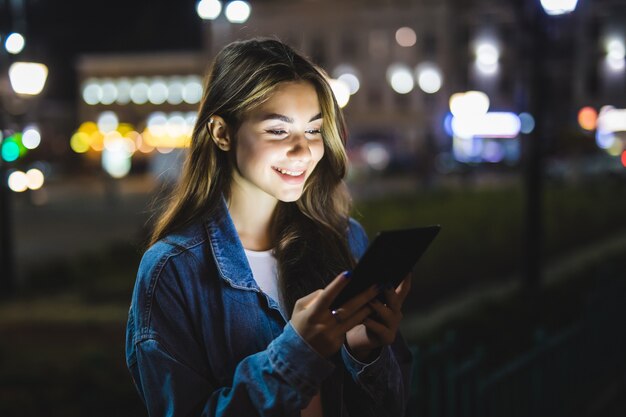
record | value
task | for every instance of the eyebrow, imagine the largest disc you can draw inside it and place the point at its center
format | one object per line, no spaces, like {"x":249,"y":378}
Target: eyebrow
{"x":286,"y":119}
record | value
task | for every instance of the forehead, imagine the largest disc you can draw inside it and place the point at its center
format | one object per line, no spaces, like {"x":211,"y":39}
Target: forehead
{"x":293,"y":98}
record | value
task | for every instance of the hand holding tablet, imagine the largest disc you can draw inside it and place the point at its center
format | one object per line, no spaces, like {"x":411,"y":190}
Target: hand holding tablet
{"x":387,"y":260}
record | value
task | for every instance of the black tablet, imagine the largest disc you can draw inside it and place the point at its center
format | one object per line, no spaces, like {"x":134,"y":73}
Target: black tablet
{"x":388,"y":259}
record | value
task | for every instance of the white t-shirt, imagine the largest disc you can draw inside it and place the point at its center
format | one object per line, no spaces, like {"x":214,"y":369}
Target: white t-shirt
{"x":264,"y":271}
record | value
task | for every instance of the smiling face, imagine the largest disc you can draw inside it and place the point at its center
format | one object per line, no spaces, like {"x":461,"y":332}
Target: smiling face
{"x":279,"y":143}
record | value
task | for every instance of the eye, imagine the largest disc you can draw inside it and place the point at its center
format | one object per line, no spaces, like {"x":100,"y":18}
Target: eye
{"x":277,"y":132}
{"x":314,"y":132}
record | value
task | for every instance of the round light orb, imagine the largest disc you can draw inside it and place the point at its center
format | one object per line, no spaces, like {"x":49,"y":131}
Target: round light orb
{"x":157,"y":91}
{"x":107,"y":122}
{"x":80,"y":142}
{"x":527,"y":123}
{"x":429,"y":78}
{"x":558,"y":7}
{"x":175,"y":89}
{"x":588,"y":118}
{"x":109,"y":92}
{"x":469,"y":104}
{"x":35,"y":178}
{"x":176,"y":125}
{"x":405,"y":36}
{"x":352,"y":81}
{"x":487,"y":53}
{"x":157,"y":124}
{"x":123,"y":86}
{"x":92,"y":92}
{"x":18,"y":181}
{"x":341,"y":92}
{"x":615,"y":49}
{"x":400,"y":78}
{"x":14,"y":43}
{"x":208,"y":9}
{"x":192,"y":90}
{"x":31,"y":138}
{"x":28,"y":78}
{"x":237,"y":11}
{"x":139,"y":91}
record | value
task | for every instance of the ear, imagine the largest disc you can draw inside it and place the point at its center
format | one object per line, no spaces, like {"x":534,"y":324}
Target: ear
{"x":218,"y":131}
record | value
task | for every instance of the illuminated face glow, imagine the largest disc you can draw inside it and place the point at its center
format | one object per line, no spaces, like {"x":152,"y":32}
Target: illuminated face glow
{"x":279,"y":144}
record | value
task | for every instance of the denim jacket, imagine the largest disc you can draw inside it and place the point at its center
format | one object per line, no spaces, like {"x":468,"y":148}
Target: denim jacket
{"x":203,"y":340}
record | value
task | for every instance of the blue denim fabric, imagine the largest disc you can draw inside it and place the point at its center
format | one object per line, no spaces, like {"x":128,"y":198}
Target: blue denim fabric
{"x":203,"y":340}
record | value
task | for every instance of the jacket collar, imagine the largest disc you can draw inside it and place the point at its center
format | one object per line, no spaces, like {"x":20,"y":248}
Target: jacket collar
{"x":230,"y":257}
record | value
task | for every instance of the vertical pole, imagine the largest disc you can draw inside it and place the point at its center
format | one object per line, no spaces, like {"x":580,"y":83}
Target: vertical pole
{"x":7,"y":272}
{"x":533,"y":148}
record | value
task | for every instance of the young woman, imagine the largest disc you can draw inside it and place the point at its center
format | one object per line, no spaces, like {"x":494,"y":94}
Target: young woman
{"x":230,"y":312}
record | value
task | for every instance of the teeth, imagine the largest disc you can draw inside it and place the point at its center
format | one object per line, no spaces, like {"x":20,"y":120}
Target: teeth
{"x":291,"y":173}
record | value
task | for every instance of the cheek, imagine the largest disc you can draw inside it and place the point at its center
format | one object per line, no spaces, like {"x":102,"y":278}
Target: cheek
{"x":317,"y":151}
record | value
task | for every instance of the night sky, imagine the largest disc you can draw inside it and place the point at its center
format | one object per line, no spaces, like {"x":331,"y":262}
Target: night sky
{"x":58,"y":31}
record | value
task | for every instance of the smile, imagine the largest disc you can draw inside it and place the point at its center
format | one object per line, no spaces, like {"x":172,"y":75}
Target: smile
{"x":287,"y":172}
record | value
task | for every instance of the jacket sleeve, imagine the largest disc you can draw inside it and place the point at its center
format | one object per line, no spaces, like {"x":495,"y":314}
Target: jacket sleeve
{"x":173,"y":379}
{"x":386,"y":380}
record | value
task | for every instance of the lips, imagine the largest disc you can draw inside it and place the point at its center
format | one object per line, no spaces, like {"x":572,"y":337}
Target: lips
{"x":291,"y":176}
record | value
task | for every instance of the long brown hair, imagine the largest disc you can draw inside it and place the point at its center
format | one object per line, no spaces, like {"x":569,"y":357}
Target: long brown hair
{"x":309,"y":235}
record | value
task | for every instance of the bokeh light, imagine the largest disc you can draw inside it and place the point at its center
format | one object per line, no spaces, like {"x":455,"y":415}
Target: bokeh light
{"x":31,"y":138}
{"x":35,"y":179}
{"x":139,"y":91}
{"x":107,"y":122}
{"x":588,"y":118}
{"x":10,"y":151}
{"x":487,"y":57}
{"x":429,"y":77}
{"x":405,"y":36}
{"x":469,"y":104}
{"x":80,"y":142}
{"x":558,"y":7}
{"x":28,"y":78}
{"x":209,"y":9}
{"x":14,"y":43}
{"x":400,"y":78}
{"x":624,"y":159}
{"x":192,"y":90}
{"x":237,"y":11}
{"x":175,"y":89}
{"x":157,"y":91}
{"x":109,"y":92}
{"x":18,"y":181}
{"x":92,"y":92}
{"x":527,"y":123}
{"x":123,"y":90}
{"x":341,"y":91}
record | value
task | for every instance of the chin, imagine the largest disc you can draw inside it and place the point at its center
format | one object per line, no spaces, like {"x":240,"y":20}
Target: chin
{"x":290,"y":197}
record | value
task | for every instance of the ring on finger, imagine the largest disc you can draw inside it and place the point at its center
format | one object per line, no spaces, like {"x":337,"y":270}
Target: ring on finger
{"x":336,"y":316}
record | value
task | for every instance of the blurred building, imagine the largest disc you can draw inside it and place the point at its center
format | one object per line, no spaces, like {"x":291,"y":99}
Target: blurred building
{"x":402,"y":61}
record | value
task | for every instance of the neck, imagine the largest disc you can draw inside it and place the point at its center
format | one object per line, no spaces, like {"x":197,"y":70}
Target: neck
{"x":252,"y":213}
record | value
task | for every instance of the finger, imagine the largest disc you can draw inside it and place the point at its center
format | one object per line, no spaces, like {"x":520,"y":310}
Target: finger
{"x":404,"y":288}
{"x":382,"y":333}
{"x":384,"y":312}
{"x":379,"y":329}
{"x":360,"y":300}
{"x":332,"y":290}
{"x":392,"y":299}
{"x":356,"y":318}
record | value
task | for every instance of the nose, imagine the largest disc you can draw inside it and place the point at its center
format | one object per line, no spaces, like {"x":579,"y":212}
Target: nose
{"x":299,"y":148}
